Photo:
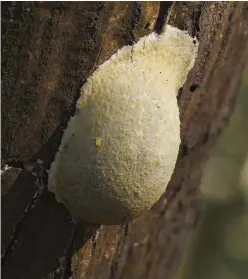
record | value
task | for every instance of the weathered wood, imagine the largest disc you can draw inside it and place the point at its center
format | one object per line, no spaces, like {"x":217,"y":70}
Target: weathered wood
{"x":48,"y":51}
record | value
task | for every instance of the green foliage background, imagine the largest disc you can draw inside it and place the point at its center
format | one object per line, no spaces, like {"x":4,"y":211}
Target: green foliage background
{"x":218,"y":248}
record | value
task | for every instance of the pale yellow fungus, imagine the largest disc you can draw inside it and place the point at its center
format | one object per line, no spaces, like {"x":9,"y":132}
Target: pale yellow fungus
{"x":128,"y":108}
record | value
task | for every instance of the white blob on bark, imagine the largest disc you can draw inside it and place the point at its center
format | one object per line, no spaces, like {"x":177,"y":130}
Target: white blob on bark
{"x":119,"y":151}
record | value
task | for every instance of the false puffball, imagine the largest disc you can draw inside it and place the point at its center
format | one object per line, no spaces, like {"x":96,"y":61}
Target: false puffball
{"x":119,"y":151}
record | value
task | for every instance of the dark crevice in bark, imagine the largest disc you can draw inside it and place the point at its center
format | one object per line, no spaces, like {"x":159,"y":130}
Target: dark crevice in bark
{"x":135,"y":10}
{"x":135,"y":19}
{"x":196,"y":21}
{"x":69,"y":253}
{"x":39,"y":171}
{"x":162,"y":16}
{"x":19,"y":226}
{"x":76,"y":241}
{"x":193,"y":87}
{"x":115,"y":261}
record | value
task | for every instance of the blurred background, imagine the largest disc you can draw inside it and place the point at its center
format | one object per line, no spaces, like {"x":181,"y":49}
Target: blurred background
{"x":218,"y":248}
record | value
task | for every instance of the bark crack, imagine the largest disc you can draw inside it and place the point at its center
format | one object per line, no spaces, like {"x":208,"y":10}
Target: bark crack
{"x":119,"y":248}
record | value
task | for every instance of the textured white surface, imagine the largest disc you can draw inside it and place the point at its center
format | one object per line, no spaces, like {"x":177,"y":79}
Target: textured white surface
{"x":119,"y":151}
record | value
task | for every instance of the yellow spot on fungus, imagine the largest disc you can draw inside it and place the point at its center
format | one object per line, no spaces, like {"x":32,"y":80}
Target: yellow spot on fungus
{"x":156,"y":164}
{"x":83,"y":103}
{"x":98,"y":143}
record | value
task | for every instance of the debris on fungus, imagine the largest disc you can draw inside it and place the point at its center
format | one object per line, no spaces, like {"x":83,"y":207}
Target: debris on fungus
{"x":128,"y":110}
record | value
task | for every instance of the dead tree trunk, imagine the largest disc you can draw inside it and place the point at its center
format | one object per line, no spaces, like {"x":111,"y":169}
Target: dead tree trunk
{"x":48,"y":51}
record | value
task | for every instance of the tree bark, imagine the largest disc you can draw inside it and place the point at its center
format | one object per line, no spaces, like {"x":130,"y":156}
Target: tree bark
{"x":48,"y":51}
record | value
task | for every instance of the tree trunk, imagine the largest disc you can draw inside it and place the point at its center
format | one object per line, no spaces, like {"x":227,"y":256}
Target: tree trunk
{"x":48,"y":51}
